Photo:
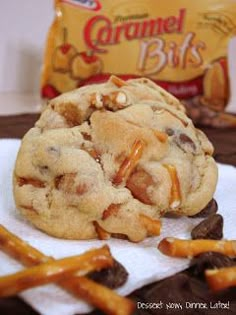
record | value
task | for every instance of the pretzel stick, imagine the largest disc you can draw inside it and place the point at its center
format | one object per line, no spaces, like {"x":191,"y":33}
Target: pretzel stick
{"x":117,"y":81}
{"x":152,"y":226}
{"x":189,"y":248}
{"x":129,"y":163}
{"x":161,"y":136}
{"x":92,"y":292}
{"x":175,"y":198}
{"x":55,"y":270}
{"x":223,"y":278}
{"x":102,"y":234}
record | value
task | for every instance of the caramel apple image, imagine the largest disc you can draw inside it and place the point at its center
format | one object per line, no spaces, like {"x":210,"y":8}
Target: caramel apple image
{"x":49,"y":91}
{"x":85,"y":65}
{"x":62,"y":82}
{"x":216,"y":86}
{"x":62,"y":55}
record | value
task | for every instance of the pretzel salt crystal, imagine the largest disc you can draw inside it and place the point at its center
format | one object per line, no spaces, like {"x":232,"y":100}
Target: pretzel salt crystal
{"x":55,"y":270}
{"x":129,"y":163}
{"x":189,"y":248}
{"x":82,"y":287}
{"x":153,"y":226}
{"x":175,"y":198}
{"x":220,"y":279}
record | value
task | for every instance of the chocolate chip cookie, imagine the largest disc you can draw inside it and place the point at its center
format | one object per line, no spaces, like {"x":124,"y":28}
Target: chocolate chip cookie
{"x":107,"y":159}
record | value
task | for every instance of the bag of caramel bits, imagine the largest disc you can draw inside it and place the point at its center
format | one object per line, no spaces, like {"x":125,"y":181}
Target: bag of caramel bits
{"x":182,"y":45}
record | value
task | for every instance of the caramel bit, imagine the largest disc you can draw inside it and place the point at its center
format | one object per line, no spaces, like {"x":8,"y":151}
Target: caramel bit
{"x":102,"y":234}
{"x":175,"y":198}
{"x":161,"y":136}
{"x":138,"y":184}
{"x":111,"y":210}
{"x":81,"y":189}
{"x":152,"y":226}
{"x":65,"y":182}
{"x":71,"y":113}
{"x":117,"y":81}
{"x":30,"y":181}
{"x":129,"y":163}
{"x":86,"y":136}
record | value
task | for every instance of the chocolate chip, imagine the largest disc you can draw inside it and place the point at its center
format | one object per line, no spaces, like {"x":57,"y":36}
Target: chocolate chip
{"x":186,"y":139}
{"x":185,"y":143}
{"x":211,"y":208}
{"x":210,"y":228}
{"x":169,"y":131}
{"x":112,"y":277}
{"x":210,"y":260}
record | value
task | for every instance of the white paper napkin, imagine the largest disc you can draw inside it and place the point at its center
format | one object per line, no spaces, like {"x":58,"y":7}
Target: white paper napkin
{"x":143,"y":261}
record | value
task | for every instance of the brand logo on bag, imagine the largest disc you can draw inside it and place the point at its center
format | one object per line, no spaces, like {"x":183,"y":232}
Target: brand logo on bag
{"x":99,"y":31}
{"x":93,"y":5}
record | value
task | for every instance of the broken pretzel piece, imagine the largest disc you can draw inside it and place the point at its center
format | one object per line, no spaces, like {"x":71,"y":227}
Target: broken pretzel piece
{"x":175,"y":198}
{"x":161,"y":136}
{"x":153,"y":226}
{"x":220,"y":279}
{"x":115,"y":100}
{"x":175,"y":247}
{"x":111,"y":210}
{"x":117,"y":81}
{"x":102,"y":234}
{"x":53,"y":271}
{"x":82,"y":287}
{"x":129,"y":163}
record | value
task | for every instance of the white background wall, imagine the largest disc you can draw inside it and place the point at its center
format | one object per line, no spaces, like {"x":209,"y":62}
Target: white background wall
{"x":23,"y":28}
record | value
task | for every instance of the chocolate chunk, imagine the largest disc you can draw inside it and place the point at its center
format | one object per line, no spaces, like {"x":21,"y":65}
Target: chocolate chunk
{"x":185,"y":290}
{"x":210,"y":260}
{"x":178,"y":289}
{"x":185,"y":143}
{"x":169,"y":131}
{"x":112,"y":277}
{"x":187,"y":140}
{"x":211,"y":208}
{"x":210,"y":228}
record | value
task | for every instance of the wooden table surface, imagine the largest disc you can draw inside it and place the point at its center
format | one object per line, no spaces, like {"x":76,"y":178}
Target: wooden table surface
{"x":224,"y":141}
